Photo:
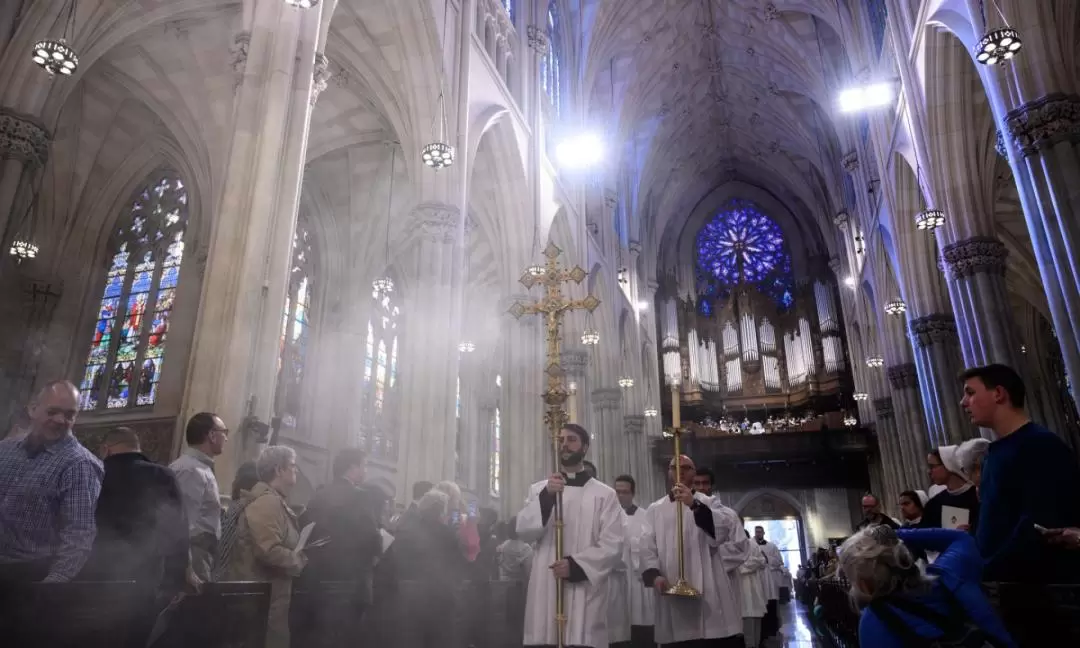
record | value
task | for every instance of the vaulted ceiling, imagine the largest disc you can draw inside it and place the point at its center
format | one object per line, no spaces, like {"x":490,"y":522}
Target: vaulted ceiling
{"x":706,"y":91}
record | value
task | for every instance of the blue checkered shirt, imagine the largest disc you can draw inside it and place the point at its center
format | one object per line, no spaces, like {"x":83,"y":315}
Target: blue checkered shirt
{"x":47,"y":503}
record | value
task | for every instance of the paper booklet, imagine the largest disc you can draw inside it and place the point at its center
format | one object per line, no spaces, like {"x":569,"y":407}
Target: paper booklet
{"x":305,"y":533}
{"x":953,"y":517}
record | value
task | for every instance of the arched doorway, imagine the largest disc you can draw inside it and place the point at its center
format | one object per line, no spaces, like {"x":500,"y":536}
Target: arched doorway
{"x":782,"y":521}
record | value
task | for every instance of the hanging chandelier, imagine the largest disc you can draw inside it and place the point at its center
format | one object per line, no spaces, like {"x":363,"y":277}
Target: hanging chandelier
{"x":860,"y":396}
{"x":875,"y":362}
{"x":651,"y":412}
{"x":571,"y":388}
{"x":466,"y":347}
{"x":23,"y":250}
{"x":930,"y":219}
{"x":626,"y":382}
{"x":438,"y":155}
{"x":998,"y":46}
{"x":536,"y":270}
{"x":850,"y":421}
{"x":302,"y":4}
{"x":896,"y":307}
{"x":383,"y":285}
{"x":590,"y":337}
{"x":54,"y":55}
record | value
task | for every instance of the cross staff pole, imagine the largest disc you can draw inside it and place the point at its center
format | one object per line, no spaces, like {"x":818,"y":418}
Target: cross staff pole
{"x":553,"y":306}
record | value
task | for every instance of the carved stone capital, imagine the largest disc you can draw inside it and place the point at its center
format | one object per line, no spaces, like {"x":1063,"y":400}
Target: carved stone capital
{"x":634,"y":423}
{"x":538,"y":39}
{"x":435,"y":222}
{"x":23,"y":138}
{"x":574,"y":362}
{"x":1041,"y":124}
{"x":771,"y":12}
{"x":607,"y":398}
{"x":635,"y":247}
{"x":936,"y":328}
{"x":903,"y":376}
{"x":320,"y":77}
{"x":999,"y":144}
{"x":883,"y":407}
{"x":841,"y":219}
{"x":850,"y":162}
{"x":979,"y":254}
{"x":239,"y":51}
{"x":836,"y":265}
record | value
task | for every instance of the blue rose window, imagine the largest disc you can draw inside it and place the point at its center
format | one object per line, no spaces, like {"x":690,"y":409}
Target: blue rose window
{"x":743,"y":247}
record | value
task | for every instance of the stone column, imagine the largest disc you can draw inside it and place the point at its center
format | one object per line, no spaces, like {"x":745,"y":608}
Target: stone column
{"x":1036,"y":100}
{"x":607,"y":429}
{"x":985,"y":321}
{"x":893,"y":466}
{"x":635,"y":443}
{"x":910,"y":425}
{"x":431,"y":358}
{"x":526,"y":447}
{"x":485,"y":415}
{"x":235,"y":342}
{"x":24,"y":149}
{"x":937,"y":356}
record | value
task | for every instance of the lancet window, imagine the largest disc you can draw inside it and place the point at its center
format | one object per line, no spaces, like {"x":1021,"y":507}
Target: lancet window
{"x":551,"y":69}
{"x":380,"y":376}
{"x":127,"y":348}
{"x":495,"y":460}
{"x":295,"y":340}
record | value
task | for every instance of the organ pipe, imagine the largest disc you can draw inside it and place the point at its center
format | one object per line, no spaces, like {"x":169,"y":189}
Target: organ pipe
{"x":670,"y":326}
{"x":710,"y":378}
{"x":767,"y":336}
{"x":695,"y":357}
{"x":826,"y":308}
{"x":731,"y":340}
{"x":749,"y":338}
{"x":796,"y":362}
{"x":734,"y":376}
{"x":806,"y":344}
{"x":834,"y":355}
{"x":770,"y":365}
{"x":672,"y":368}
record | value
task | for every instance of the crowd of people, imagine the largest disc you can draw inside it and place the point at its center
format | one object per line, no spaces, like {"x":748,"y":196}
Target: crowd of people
{"x":1007,"y":510}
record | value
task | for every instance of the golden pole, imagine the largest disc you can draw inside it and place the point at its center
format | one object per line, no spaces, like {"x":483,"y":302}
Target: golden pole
{"x":681,"y":587}
{"x":553,"y":305}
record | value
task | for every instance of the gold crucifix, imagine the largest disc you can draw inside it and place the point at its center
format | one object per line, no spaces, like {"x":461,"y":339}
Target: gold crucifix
{"x":553,"y":305}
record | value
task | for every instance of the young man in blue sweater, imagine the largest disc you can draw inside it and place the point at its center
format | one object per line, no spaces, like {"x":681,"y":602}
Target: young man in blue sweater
{"x":1030,"y":482}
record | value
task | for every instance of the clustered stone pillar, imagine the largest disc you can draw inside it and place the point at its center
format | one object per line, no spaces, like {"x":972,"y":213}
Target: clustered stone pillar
{"x":526,"y":446}
{"x":911,"y":425}
{"x":935,"y":341}
{"x":893,"y":470}
{"x":606,"y":430}
{"x":634,"y":444}
{"x":430,"y":369}
{"x":24,"y":148}
{"x":984,"y":319}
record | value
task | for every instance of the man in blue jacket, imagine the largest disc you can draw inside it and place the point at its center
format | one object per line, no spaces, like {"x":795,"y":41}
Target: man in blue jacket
{"x":1030,"y":482}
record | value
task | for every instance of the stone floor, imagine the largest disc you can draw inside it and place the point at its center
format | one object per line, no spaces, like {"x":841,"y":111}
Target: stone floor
{"x":796,"y":630}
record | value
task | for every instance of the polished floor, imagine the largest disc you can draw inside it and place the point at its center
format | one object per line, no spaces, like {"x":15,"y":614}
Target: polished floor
{"x":796,"y":631}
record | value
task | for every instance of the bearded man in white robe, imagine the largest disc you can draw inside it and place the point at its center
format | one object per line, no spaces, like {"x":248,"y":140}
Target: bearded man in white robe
{"x":632,"y":605}
{"x":713,"y":538}
{"x":774,"y":577}
{"x":593,"y":535}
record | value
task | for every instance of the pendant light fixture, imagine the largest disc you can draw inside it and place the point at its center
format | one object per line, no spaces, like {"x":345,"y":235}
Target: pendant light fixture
{"x":23,"y":247}
{"x":439,"y":154}
{"x":302,"y":4}
{"x":385,"y":285}
{"x":896,"y":307}
{"x":54,"y":55}
{"x":997,"y":46}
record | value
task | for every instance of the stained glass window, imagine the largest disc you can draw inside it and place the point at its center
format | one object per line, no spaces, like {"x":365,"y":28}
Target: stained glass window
{"x":380,"y":376}
{"x":742,"y":246}
{"x":495,"y":461}
{"x":509,"y":6}
{"x":127,"y":348}
{"x":879,"y":14}
{"x":551,"y":64}
{"x":295,"y":329}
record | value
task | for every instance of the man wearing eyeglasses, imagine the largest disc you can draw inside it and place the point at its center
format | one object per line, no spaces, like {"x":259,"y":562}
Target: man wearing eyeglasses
{"x":49,"y":485}
{"x":206,"y":436}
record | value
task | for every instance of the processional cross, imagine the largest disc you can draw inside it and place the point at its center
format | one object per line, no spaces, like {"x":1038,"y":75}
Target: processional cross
{"x":553,"y":306}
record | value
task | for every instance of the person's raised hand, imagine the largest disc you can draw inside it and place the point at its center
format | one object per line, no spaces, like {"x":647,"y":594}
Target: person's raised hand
{"x":556,"y":483}
{"x":683,"y":494}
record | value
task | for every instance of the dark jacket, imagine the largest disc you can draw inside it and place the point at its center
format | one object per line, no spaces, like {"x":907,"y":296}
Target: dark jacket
{"x":427,"y":552}
{"x":142,"y":531}
{"x":342,"y":514}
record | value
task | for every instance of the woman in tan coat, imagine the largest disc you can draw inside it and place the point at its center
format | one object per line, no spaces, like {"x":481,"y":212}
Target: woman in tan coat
{"x":267,"y":535}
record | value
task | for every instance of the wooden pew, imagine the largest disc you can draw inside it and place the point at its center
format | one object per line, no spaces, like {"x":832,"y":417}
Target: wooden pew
{"x":67,"y":615}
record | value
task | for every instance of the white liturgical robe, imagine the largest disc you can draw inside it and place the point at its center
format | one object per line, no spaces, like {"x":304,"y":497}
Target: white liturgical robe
{"x":774,"y":569}
{"x":618,"y":629}
{"x":717,"y":613}
{"x":593,"y":535}
{"x":752,"y":584}
{"x":642,"y":599}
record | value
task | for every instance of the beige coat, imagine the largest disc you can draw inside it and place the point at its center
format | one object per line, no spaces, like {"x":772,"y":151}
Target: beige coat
{"x":266,"y":537}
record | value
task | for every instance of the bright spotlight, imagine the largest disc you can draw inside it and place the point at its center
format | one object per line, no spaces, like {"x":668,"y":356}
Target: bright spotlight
{"x":849,"y":281}
{"x":866,"y":97}
{"x":580,"y":152}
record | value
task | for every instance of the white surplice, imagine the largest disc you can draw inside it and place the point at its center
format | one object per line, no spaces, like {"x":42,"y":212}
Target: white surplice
{"x":642,"y":599}
{"x":593,"y":535}
{"x":752,"y":584}
{"x":717,"y":613}
{"x":774,"y":569}
{"x":618,"y":629}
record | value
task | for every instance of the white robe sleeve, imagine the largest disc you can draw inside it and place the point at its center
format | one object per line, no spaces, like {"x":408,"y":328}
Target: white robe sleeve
{"x":755,"y":562}
{"x":530,"y":521}
{"x":601,"y":557}
{"x":650,"y":555}
{"x":734,"y":548}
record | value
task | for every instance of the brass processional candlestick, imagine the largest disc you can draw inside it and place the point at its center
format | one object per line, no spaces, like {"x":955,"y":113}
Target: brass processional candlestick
{"x":681,"y":587}
{"x":553,"y":306}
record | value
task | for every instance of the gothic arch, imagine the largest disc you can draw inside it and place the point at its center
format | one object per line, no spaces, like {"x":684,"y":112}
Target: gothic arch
{"x":790,"y":499}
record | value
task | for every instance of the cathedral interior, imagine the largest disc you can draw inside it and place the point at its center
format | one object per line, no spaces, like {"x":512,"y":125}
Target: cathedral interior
{"x":801,"y":218}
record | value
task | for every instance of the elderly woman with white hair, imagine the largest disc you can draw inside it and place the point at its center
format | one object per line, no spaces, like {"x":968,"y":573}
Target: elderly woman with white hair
{"x":970,"y":455}
{"x":267,"y":536}
{"x":464,"y":525}
{"x":904,"y":606}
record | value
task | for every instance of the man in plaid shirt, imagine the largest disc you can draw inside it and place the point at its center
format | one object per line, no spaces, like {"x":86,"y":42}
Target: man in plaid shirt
{"x":49,"y":485}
